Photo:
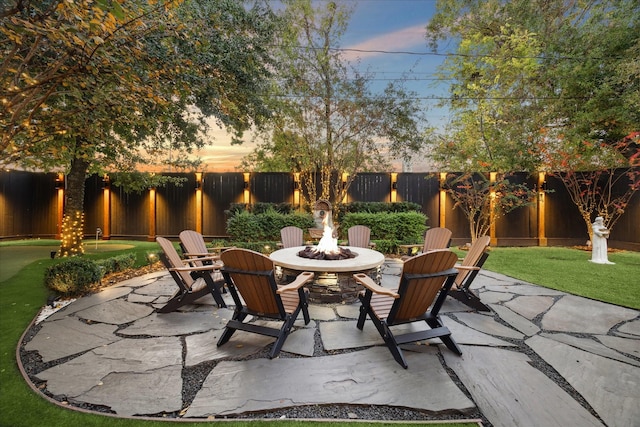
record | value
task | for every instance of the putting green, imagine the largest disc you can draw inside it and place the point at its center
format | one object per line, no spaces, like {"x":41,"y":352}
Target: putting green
{"x":15,"y":257}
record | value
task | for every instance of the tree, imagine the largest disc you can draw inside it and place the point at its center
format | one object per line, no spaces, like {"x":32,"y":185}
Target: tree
{"x":523,"y":67}
{"x":604,"y":191}
{"x":115,"y":85}
{"x":483,"y":200}
{"x":329,"y":124}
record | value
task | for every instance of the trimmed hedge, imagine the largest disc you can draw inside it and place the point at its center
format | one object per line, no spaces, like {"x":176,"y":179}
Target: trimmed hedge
{"x":403,"y":227}
{"x":116,"y":263}
{"x":77,"y":276}
{"x":72,"y":277}
{"x":376,"y":207}
{"x":247,"y":227}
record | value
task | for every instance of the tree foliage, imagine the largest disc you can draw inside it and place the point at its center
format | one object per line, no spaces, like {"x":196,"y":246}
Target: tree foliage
{"x":484,"y":200}
{"x":330,"y":124}
{"x":542,"y":84}
{"x":94,"y":86}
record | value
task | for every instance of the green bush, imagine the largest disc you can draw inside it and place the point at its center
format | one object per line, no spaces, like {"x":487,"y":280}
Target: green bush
{"x":376,"y":207}
{"x":72,"y":277}
{"x":403,"y":227}
{"x":247,"y":227}
{"x":117,"y":263}
{"x":243,"y":226}
{"x":387,"y":246}
{"x":259,"y":207}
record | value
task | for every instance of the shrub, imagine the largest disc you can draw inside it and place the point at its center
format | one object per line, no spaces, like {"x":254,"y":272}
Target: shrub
{"x":117,"y":263}
{"x":243,"y":226}
{"x":246,"y":227}
{"x":259,"y":207}
{"x":376,"y":207}
{"x":72,"y":277}
{"x":404,"y":227}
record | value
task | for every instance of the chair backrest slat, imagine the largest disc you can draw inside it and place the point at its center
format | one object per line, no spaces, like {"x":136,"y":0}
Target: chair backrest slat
{"x":193,"y":242}
{"x":417,"y":292}
{"x":174,"y":260}
{"x":246,"y":270}
{"x":359,"y":236}
{"x":472,"y":257}
{"x":291,"y":236}
{"x":436,"y":238}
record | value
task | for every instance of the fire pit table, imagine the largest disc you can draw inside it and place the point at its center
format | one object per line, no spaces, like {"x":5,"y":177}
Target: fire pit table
{"x":334,"y":278}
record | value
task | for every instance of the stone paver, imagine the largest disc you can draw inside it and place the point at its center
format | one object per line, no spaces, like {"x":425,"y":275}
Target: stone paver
{"x":582,"y":315}
{"x":115,"y":312}
{"x":486,"y":323}
{"x":176,"y":323}
{"x":138,"y":369}
{"x":62,"y":338}
{"x":520,"y":323}
{"x":85,"y":372}
{"x":203,"y":347}
{"x":107,"y":294}
{"x":368,"y":377}
{"x":612,"y":388}
{"x":139,"y":393}
{"x":510,"y":392}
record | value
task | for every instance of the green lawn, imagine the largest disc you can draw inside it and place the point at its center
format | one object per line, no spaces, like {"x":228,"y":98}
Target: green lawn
{"x":569,"y":270}
{"x":22,"y":294}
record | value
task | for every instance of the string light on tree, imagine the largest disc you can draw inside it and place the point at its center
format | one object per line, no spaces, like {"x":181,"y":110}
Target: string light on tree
{"x":72,"y":234}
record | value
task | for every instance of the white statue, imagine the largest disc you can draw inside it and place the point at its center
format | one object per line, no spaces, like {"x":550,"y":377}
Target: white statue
{"x":599,"y":242}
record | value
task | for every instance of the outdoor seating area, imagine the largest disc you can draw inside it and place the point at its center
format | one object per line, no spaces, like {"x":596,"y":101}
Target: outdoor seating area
{"x":532,"y":360}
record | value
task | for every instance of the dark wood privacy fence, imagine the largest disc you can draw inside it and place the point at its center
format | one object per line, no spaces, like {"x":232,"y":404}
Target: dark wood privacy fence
{"x":31,"y":207}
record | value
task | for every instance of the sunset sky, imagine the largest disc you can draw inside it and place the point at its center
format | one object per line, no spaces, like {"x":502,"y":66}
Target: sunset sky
{"x":378,"y":27}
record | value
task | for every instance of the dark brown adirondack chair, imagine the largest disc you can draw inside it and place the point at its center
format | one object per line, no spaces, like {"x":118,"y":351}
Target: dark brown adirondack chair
{"x":425,"y":278}
{"x":360,"y":236}
{"x":291,"y":237}
{"x":468,"y":270}
{"x":194,"y":281}
{"x":251,"y":281}
{"x":434,"y":238}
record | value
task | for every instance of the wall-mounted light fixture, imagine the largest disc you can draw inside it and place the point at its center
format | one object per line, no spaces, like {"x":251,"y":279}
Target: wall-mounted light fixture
{"x":246,"y":176}
{"x":394,"y":187}
{"x":199,"y":181}
{"x":105,"y":182}
{"x":59,"y":183}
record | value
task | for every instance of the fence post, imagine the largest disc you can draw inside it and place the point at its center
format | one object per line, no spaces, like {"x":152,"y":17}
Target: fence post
{"x":106,"y":208}
{"x":59,"y":185}
{"x":542,"y":186}
{"x":199,"y":184}
{"x":443,"y":200}
{"x":152,"y":215}
{"x":492,"y":216}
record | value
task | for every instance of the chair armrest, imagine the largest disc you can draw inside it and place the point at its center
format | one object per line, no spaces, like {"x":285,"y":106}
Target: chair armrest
{"x":193,"y":256}
{"x":368,"y":283}
{"x":197,"y":268}
{"x":302,"y":279}
{"x":467,"y":267}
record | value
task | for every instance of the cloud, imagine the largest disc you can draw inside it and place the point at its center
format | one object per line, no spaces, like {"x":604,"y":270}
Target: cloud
{"x":399,"y":40}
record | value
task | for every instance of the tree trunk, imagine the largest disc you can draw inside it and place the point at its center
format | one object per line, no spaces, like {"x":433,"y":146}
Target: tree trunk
{"x":73,"y":218}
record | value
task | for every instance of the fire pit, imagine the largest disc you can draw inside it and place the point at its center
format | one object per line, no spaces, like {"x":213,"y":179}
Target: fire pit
{"x":333,"y":278}
{"x":311,"y":252}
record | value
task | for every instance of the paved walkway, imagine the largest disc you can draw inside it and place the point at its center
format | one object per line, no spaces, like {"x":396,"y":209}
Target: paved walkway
{"x":541,"y":358}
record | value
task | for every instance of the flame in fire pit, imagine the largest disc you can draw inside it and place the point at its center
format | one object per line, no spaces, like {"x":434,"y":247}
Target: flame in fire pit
{"x":327,"y":243}
{"x":327,"y":247}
